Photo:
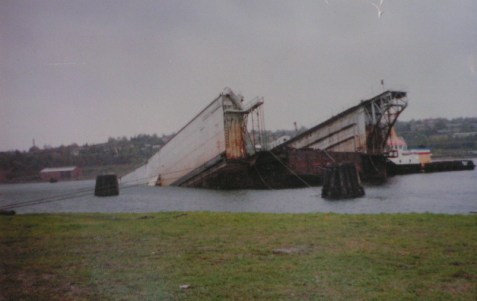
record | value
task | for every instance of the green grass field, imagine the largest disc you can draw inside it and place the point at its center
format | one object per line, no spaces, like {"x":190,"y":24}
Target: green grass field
{"x":238,"y":257}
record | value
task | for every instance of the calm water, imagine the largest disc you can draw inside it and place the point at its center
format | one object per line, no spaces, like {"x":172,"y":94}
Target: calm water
{"x":449,"y":192}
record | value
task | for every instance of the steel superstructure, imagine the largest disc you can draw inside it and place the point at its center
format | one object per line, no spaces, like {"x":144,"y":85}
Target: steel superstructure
{"x":363,"y":128}
{"x":216,"y":135}
{"x":216,"y":149}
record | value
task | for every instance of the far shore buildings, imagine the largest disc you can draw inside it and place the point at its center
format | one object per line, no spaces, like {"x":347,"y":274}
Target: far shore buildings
{"x":60,"y":173}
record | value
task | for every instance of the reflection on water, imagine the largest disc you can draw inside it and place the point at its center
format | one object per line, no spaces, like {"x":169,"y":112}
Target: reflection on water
{"x":449,"y":192}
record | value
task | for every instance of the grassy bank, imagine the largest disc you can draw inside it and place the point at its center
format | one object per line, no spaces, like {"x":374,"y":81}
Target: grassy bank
{"x":238,"y":257}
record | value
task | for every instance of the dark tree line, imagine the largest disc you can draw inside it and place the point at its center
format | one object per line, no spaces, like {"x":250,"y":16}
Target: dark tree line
{"x":443,"y":136}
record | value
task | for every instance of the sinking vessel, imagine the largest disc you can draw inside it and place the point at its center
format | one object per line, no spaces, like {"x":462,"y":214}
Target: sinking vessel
{"x":215,"y":143}
{"x":357,"y":135}
{"x":216,"y":149}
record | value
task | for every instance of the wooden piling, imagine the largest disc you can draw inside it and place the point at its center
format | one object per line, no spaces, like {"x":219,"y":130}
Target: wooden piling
{"x":342,"y":181}
{"x":106,"y":185}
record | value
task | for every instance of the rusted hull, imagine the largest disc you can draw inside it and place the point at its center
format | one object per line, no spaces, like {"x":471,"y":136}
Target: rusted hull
{"x":290,"y":168}
{"x":306,"y":167}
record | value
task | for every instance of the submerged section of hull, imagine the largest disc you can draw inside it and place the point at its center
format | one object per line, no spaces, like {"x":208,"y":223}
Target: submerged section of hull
{"x":288,"y":168}
{"x":216,"y":149}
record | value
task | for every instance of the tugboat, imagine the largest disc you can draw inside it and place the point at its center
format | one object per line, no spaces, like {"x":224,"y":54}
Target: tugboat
{"x":401,"y":160}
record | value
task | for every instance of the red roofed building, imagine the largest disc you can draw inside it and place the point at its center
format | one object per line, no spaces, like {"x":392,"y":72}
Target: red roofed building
{"x":60,"y":173}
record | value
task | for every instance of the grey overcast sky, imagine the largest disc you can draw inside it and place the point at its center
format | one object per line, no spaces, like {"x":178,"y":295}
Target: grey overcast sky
{"x":85,"y":70}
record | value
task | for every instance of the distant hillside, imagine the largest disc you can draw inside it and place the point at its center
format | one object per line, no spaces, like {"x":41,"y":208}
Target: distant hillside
{"x":445,"y":137}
